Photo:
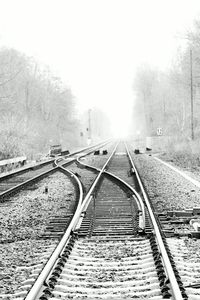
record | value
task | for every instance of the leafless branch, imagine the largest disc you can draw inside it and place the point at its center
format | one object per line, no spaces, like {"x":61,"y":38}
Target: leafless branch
{"x":11,"y":78}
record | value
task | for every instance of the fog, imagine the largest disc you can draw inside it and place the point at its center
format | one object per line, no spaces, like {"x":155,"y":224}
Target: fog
{"x":96,"y":46}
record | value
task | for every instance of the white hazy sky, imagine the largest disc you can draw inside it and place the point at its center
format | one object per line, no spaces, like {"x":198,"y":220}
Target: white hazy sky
{"x":96,"y":45}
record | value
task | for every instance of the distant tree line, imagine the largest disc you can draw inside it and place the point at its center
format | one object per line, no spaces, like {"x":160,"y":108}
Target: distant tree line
{"x":37,"y":110}
{"x":163,"y":99}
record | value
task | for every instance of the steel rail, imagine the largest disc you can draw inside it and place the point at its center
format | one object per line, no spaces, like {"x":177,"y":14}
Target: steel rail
{"x":41,"y":279}
{"x":74,"y":225}
{"x":166,"y":261}
{"x":49,"y":161}
{"x":28,"y":181}
{"x":85,"y":154}
{"x":37,"y":286}
{"x":89,"y":196}
{"x":137,"y":197}
{"x":25,"y":183}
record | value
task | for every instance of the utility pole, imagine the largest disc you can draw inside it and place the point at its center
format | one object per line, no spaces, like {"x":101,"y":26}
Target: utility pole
{"x":191,"y":89}
{"x":191,"y":96}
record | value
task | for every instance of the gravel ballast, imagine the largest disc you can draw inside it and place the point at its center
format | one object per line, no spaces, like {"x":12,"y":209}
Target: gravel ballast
{"x":23,"y":220}
{"x":170,"y":191}
{"x":186,"y":255}
{"x":87,"y":176}
{"x":98,"y":269}
{"x":98,"y":161}
{"x":28,"y":212}
{"x":166,"y":189}
{"x":20,"y":259}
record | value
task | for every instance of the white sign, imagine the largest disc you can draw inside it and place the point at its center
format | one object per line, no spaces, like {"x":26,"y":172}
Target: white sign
{"x":159,"y":131}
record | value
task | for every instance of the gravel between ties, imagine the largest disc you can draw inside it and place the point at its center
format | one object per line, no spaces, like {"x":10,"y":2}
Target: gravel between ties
{"x":23,"y":220}
{"x":98,"y":161}
{"x":87,"y":177}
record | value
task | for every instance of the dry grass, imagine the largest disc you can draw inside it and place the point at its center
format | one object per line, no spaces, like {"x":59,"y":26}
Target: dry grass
{"x":185,"y":153}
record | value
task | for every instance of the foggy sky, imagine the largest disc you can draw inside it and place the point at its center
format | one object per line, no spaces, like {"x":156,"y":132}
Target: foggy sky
{"x":96,"y":45}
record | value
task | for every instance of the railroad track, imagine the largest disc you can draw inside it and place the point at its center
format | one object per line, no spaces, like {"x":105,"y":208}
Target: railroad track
{"x":176,"y":204}
{"x":15,"y":181}
{"x":113,"y":247}
{"x":33,"y":221}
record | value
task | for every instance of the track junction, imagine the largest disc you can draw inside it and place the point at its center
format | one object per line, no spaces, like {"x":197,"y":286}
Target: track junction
{"x":113,"y":245}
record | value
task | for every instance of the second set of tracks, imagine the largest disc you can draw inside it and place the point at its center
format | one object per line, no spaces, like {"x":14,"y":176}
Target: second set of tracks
{"x":113,"y":248}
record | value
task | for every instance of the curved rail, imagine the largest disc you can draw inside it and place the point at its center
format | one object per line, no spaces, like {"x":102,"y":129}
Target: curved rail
{"x":89,"y":196}
{"x":137,"y":197}
{"x":76,"y":223}
{"x":55,"y":168}
{"x":25,"y":183}
{"x":172,"y":278}
{"x":39,"y":283}
{"x":37,"y":286}
{"x":49,"y":161}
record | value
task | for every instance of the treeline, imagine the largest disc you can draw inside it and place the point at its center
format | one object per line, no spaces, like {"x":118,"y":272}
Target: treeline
{"x":163,"y":99}
{"x":36,"y":108}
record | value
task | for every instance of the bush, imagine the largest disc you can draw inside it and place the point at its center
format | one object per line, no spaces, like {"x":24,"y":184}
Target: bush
{"x":9,"y":147}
